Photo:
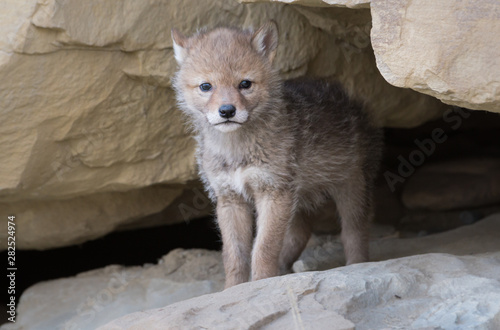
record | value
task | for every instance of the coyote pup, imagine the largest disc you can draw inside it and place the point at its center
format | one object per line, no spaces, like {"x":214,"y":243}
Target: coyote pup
{"x":273,"y":149}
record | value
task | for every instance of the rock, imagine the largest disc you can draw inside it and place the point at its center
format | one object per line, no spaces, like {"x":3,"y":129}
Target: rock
{"x":191,"y":204}
{"x":44,"y":225}
{"x":89,"y":117}
{"x":326,"y":252}
{"x":425,"y":291}
{"x":446,"y":49}
{"x":93,"y":298}
{"x":454,"y":184}
{"x":84,"y":138}
{"x":96,"y":297}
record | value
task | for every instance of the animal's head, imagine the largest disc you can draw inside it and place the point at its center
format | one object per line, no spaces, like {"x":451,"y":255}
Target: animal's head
{"x":225,"y":76}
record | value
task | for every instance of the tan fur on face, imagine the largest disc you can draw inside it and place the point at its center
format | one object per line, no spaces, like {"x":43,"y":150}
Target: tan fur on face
{"x":292,"y":145}
{"x":223,"y":57}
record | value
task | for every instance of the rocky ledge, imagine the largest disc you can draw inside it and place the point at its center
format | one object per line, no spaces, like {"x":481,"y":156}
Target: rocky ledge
{"x":423,"y":291}
{"x":457,"y":288}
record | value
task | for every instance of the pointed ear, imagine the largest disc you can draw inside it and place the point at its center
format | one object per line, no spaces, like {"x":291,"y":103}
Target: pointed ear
{"x":180,"y":50}
{"x":265,"y":40}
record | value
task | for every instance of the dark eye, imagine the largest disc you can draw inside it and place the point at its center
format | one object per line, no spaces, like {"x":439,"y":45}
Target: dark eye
{"x":245,"y":84}
{"x":205,"y":87}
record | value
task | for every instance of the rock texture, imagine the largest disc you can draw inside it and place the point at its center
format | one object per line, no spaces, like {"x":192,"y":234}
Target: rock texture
{"x":89,"y":118}
{"x":447,"y":49}
{"x":43,"y":224}
{"x":94,"y":298}
{"x":425,"y":291}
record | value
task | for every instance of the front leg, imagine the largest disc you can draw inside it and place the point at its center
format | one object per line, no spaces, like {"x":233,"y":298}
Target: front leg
{"x":235,"y":220}
{"x":274,"y":211}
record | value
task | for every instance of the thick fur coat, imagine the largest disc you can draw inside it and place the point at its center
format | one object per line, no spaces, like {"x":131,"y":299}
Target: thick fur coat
{"x":271,"y":151}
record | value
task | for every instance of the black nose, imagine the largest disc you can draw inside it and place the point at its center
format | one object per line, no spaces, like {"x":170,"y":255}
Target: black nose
{"x":227,"y":111}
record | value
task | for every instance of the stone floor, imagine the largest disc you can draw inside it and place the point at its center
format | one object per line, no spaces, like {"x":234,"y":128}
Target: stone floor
{"x":424,"y":283}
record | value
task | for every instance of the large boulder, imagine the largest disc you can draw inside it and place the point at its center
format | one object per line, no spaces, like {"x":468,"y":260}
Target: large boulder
{"x":448,"y":49}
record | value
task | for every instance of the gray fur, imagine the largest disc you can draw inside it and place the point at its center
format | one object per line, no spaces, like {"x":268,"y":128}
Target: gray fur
{"x":304,"y":142}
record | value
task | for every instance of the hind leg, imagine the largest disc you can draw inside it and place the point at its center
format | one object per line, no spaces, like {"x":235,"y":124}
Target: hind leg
{"x":354,"y":205}
{"x":297,"y":236}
